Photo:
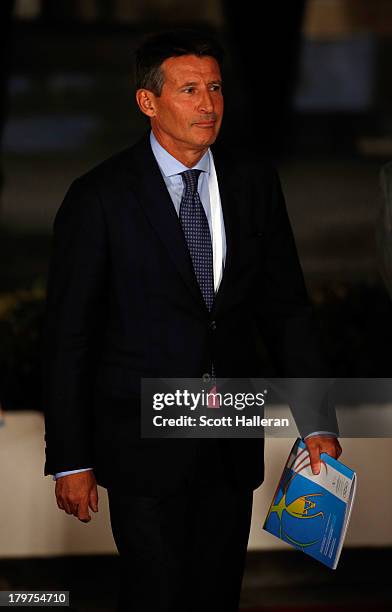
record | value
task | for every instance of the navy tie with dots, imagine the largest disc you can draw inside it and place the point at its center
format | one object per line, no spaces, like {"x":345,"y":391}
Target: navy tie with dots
{"x":197,"y":235}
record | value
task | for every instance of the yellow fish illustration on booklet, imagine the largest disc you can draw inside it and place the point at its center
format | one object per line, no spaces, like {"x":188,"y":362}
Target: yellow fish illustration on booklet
{"x":312,"y":512}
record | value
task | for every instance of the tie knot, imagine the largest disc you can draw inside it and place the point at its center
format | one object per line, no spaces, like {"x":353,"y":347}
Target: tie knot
{"x":190,"y":179}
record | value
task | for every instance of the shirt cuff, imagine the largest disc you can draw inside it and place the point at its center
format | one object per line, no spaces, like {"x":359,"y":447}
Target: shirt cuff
{"x":59,"y":474}
{"x":331,"y":434}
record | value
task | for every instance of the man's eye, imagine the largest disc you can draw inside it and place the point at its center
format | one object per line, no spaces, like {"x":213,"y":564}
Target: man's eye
{"x":189,"y":90}
{"x":215,"y":87}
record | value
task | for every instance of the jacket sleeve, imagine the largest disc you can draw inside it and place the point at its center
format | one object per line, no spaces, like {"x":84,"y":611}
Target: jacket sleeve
{"x":73,"y":327}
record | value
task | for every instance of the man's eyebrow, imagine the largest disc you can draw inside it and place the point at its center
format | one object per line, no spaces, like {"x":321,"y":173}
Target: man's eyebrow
{"x":193,"y":83}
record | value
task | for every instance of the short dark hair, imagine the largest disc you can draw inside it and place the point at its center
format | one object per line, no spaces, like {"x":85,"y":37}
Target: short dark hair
{"x":155,"y":49}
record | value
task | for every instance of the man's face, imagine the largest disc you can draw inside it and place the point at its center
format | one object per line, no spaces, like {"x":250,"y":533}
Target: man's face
{"x":188,"y":113}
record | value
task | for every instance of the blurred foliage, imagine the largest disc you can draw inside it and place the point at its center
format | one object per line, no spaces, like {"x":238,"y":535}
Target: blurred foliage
{"x":21,"y":316}
{"x":355,"y":324}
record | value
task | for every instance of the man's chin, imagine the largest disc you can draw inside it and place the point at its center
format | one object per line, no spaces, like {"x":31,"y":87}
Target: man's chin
{"x":205,"y":140}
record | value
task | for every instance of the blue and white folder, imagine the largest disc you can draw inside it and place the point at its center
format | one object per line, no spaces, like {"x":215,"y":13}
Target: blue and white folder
{"x":311,"y":512}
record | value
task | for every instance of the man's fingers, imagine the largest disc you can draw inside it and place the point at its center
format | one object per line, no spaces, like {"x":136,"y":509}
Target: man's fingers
{"x":83,"y":513}
{"x":314,"y":455}
{"x":332,"y":448}
{"x":79,"y":510}
{"x":63,"y":504}
{"x":67,"y":507}
{"x":332,"y":451}
{"x":70,"y":506}
{"x":93,"y":499}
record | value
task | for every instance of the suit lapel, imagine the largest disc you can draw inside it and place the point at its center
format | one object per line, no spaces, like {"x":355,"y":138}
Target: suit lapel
{"x":228,"y":199}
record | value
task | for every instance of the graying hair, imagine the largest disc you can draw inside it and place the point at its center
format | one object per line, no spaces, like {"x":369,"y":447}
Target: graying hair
{"x":154,"y":50}
{"x":153,"y":80}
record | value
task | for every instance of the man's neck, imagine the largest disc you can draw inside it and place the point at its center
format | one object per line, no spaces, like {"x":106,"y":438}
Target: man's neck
{"x":188,"y":157}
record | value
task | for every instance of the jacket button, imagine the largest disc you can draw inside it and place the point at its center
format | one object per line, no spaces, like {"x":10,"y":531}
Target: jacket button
{"x":206,"y":377}
{"x":213,"y":325}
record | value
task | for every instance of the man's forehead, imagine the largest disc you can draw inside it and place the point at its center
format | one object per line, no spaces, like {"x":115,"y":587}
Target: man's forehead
{"x":191,"y":68}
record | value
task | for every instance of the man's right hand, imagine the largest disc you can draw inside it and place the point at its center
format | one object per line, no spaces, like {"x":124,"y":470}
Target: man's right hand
{"x":75,"y":493}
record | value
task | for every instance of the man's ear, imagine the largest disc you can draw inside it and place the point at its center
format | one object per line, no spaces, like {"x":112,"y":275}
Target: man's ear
{"x":146,"y":102}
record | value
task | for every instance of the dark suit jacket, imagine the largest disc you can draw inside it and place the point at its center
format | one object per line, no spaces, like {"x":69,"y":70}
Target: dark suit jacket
{"x":123,"y":303}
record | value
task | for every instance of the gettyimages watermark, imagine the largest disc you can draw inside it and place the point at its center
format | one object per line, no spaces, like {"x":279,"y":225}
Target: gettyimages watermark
{"x":203,"y":406}
{"x":227,"y":408}
{"x":275,"y":407}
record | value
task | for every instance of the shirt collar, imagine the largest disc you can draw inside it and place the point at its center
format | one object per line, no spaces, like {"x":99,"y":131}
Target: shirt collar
{"x":169,"y":165}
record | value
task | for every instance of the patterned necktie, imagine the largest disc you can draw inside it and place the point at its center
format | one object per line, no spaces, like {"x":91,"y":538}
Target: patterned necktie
{"x":197,"y":235}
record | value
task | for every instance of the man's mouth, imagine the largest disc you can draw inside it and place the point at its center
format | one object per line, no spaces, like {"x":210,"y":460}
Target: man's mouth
{"x":205,"y":123}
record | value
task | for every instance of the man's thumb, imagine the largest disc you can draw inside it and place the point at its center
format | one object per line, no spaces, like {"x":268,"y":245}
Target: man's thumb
{"x":93,"y":501}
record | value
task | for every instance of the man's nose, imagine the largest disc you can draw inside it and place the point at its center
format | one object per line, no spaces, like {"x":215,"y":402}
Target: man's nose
{"x":206,"y":103}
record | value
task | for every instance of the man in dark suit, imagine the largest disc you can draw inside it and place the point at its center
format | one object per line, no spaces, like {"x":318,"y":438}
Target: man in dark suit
{"x":170,"y":260}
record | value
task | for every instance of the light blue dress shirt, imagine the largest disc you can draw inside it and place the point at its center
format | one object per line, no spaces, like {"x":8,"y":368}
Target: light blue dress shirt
{"x":171,"y":168}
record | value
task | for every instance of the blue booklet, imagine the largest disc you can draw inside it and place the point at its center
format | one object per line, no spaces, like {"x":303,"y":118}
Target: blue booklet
{"x":311,"y":512}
